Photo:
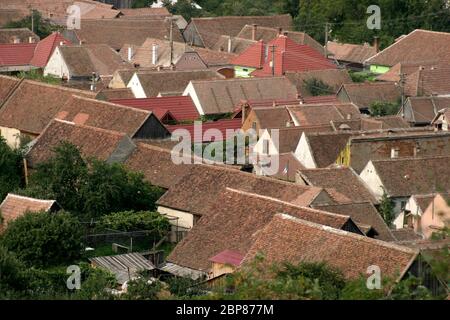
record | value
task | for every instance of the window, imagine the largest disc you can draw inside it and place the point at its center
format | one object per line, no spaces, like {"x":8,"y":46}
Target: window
{"x":394,"y":153}
{"x":254,"y":125}
{"x":266,"y":146}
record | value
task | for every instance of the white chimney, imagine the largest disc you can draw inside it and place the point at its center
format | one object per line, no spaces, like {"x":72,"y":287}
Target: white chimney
{"x":30,"y":40}
{"x":229,"y":44}
{"x":130,"y":53}
{"x":154,"y":54}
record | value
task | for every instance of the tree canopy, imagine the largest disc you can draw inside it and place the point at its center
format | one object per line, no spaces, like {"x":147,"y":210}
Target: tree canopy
{"x":10,"y":169}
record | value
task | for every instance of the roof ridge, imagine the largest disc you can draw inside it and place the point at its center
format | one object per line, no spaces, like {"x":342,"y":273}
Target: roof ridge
{"x":39,"y":83}
{"x":110,"y":104}
{"x":112,"y":132}
{"x":13,"y":195}
{"x":346,"y":233}
{"x":410,"y":159}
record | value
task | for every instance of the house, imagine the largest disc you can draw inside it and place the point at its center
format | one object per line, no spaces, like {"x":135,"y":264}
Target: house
{"x":17,"y":35}
{"x":15,"y":120}
{"x":16,"y":57}
{"x":151,"y":84}
{"x":421,"y":111}
{"x":366,"y":123}
{"x":256,"y":32}
{"x":428,"y":81}
{"x":222,"y":96}
{"x":144,"y":13}
{"x":180,"y":108}
{"x":295,"y":240}
{"x":278,"y":57}
{"x":428,"y":213}
{"x":234,"y":218}
{"x":322,"y":114}
{"x":234,"y":45}
{"x":332,"y":78}
{"x":345,"y":180}
{"x":156,"y":164}
{"x":288,"y":166}
{"x":367,"y":93}
{"x":189,"y":199}
{"x":206,"y":32}
{"x":366,"y":216}
{"x":399,"y":179}
{"x":209,"y":131}
{"x":106,"y":145}
{"x":442,"y":120}
{"x":320,"y":149}
{"x":15,"y":206}
{"x":261,"y":118}
{"x":124,"y":267}
{"x":406,"y":69}
{"x":118,"y":32}
{"x":390,"y":144}
{"x":107,"y":94}
{"x":28,"y":56}
{"x":419,"y":45}
{"x":136,"y":123}
{"x":122,"y":77}
{"x":80,"y":62}
{"x":351,"y":56}
{"x":225,"y":262}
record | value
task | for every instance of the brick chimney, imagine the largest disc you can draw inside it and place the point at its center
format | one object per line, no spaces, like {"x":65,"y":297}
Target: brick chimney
{"x":376,"y":43}
{"x":254,"y":29}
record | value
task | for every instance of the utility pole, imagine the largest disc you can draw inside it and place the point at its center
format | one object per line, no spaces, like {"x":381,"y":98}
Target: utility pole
{"x":273,"y":60}
{"x":402,"y":88}
{"x":32,"y":20}
{"x":327,"y":32}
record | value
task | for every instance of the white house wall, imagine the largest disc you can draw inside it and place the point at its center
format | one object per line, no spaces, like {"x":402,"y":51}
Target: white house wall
{"x":56,"y":66}
{"x":136,"y":87}
{"x":190,"y":91}
{"x":11,"y":135}
{"x":178,"y":218}
{"x":370,"y":176}
{"x":304,"y":154}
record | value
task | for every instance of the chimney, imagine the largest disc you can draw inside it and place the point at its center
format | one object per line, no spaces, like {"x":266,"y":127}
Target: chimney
{"x":254,"y":29}
{"x":30,"y":39}
{"x":130,"y":53}
{"x":229,"y":44}
{"x":376,"y":43}
{"x":285,"y":33}
{"x":154,"y":53}
{"x":61,"y":43}
{"x":280,"y":31}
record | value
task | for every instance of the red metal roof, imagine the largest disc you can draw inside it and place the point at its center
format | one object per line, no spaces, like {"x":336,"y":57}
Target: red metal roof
{"x":16,"y":54}
{"x":182,"y":108}
{"x":45,"y":49}
{"x":289,"y":56}
{"x":233,"y":258}
{"x":221,"y":125}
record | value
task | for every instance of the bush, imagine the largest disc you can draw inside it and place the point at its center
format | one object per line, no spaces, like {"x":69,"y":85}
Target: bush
{"x":317,"y":87}
{"x":44,"y":239}
{"x":380,"y":109}
{"x":133,"y":221}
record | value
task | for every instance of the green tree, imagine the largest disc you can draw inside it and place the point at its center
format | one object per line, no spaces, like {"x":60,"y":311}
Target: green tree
{"x":42,"y":27}
{"x":143,"y":288}
{"x":44,"y":239}
{"x":10,"y":169}
{"x":386,"y":209}
{"x":11,"y":278}
{"x":317,"y":87}
{"x":380,"y":109}
{"x":185,"y":8}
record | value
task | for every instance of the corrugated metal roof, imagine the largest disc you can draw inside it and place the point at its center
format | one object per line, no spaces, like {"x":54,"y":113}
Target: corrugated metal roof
{"x":184,"y":272}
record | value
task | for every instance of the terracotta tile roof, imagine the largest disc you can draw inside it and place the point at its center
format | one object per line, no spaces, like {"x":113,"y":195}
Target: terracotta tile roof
{"x":419,"y":45}
{"x":344,"y":180}
{"x":91,"y":141}
{"x":369,"y":123}
{"x":214,"y":58}
{"x":108,"y":94}
{"x":334,"y":78}
{"x":45,"y":49}
{"x":181,"y":107}
{"x":118,"y":32}
{"x":424,"y":200}
{"x":272,"y":117}
{"x":223,"y":125}
{"x":405,"y":235}
{"x":406,"y":177}
{"x":210,"y":29}
{"x":351,"y":52}
{"x":364,"y":94}
{"x":198,"y":189}
{"x":24,"y":112}
{"x":222,"y":96}
{"x":363,"y":213}
{"x":228,"y":257}
{"x":157,"y":166}
{"x":238,"y":45}
{"x":144,"y":12}
{"x":407,"y":69}
{"x":289,"y":56}
{"x":288,"y":167}
{"x":21,"y":34}
{"x":326,"y":147}
{"x":8,"y":15}
{"x":424,"y":109}
{"x":427,"y":81}
{"x":320,"y":99}
{"x":172,"y":81}
{"x":7,"y":84}
{"x":233,"y":218}
{"x":14,"y":206}
{"x":16,"y":54}
{"x":85,"y":59}
{"x":268,"y":34}
{"x":290,"y":239}
{"x":104,"y":115}
{"x":322,"y":114}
